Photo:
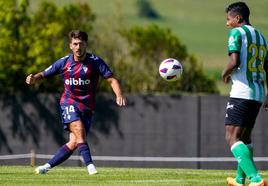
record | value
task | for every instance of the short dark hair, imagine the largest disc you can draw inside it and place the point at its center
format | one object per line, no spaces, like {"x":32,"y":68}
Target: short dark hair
{"x":239,"y":8}
{"x":78,"y":34}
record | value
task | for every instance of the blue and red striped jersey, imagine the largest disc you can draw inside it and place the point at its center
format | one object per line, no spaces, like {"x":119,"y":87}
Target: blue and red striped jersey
{"x":80,"y":79}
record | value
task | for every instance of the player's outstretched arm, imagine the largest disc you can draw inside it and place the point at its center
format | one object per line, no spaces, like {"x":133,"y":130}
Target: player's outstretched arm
{"x":233,"y":63}
{"x":120,"y":99}
{"x":32,"y":79}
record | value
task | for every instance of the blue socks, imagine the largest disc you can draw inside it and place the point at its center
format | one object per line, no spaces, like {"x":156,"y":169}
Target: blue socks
{"x":61,"y":155}
{"x":85,"y":152}
{"x":64,"y":153}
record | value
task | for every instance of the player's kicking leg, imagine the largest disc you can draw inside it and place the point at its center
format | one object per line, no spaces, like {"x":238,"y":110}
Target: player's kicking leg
{"x":61,"y":155}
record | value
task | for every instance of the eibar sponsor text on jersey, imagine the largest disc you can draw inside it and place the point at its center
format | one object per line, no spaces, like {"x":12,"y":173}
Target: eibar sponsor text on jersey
{"x":79,"y":81}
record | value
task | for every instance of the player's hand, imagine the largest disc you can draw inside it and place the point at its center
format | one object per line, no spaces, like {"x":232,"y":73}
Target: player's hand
{"x":265,"y":105}
{"x":30,"y":79}
{"x":121,"y":101}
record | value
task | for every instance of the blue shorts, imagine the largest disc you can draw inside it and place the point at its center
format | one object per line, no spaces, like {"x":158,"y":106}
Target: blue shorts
{"x":242,"y":112}
{"x":70,"y":113}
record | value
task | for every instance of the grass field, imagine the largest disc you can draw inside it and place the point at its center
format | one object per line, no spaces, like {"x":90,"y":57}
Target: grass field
{"x":23,"y":175}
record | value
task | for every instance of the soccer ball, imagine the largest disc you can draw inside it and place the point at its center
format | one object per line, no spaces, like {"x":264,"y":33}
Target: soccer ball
{"x":170,"y":69}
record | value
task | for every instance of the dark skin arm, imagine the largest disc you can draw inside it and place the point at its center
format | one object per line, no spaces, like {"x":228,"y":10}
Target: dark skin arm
{"x":234,"y":62}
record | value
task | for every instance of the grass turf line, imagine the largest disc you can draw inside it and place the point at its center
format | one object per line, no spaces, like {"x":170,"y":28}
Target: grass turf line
{"x":62,"y":176}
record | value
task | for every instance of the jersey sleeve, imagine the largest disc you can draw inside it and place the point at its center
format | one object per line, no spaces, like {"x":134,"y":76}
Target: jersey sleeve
{"x":55,"y":68}
{"x":103,"y":68}
{"x":234,"y":41}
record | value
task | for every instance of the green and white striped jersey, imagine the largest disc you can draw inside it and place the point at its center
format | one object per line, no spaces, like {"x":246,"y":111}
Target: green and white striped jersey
{"x":249,"y":78}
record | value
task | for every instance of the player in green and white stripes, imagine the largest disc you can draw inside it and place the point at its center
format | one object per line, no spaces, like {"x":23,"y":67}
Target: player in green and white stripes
{"x":248,"y":79}
{"x":247,"y":68}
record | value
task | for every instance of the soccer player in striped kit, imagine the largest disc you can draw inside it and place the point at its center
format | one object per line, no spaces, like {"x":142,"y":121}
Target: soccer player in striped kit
{"x":247,"y":68}
{"x":80,"y":73}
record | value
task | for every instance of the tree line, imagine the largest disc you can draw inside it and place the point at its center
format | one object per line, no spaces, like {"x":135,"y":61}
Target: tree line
{"x":32,"y":40}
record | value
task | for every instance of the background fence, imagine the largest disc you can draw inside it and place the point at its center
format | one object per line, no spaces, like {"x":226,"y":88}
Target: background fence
{"x":153,"y":131}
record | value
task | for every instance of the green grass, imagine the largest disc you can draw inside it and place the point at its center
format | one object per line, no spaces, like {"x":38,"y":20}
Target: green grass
{"x":61,"y":176}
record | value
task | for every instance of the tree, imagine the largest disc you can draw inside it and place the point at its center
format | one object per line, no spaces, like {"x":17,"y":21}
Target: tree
{"x":32,"y":41}
{"x":14,"y":22}
{"x":152,"y":44}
